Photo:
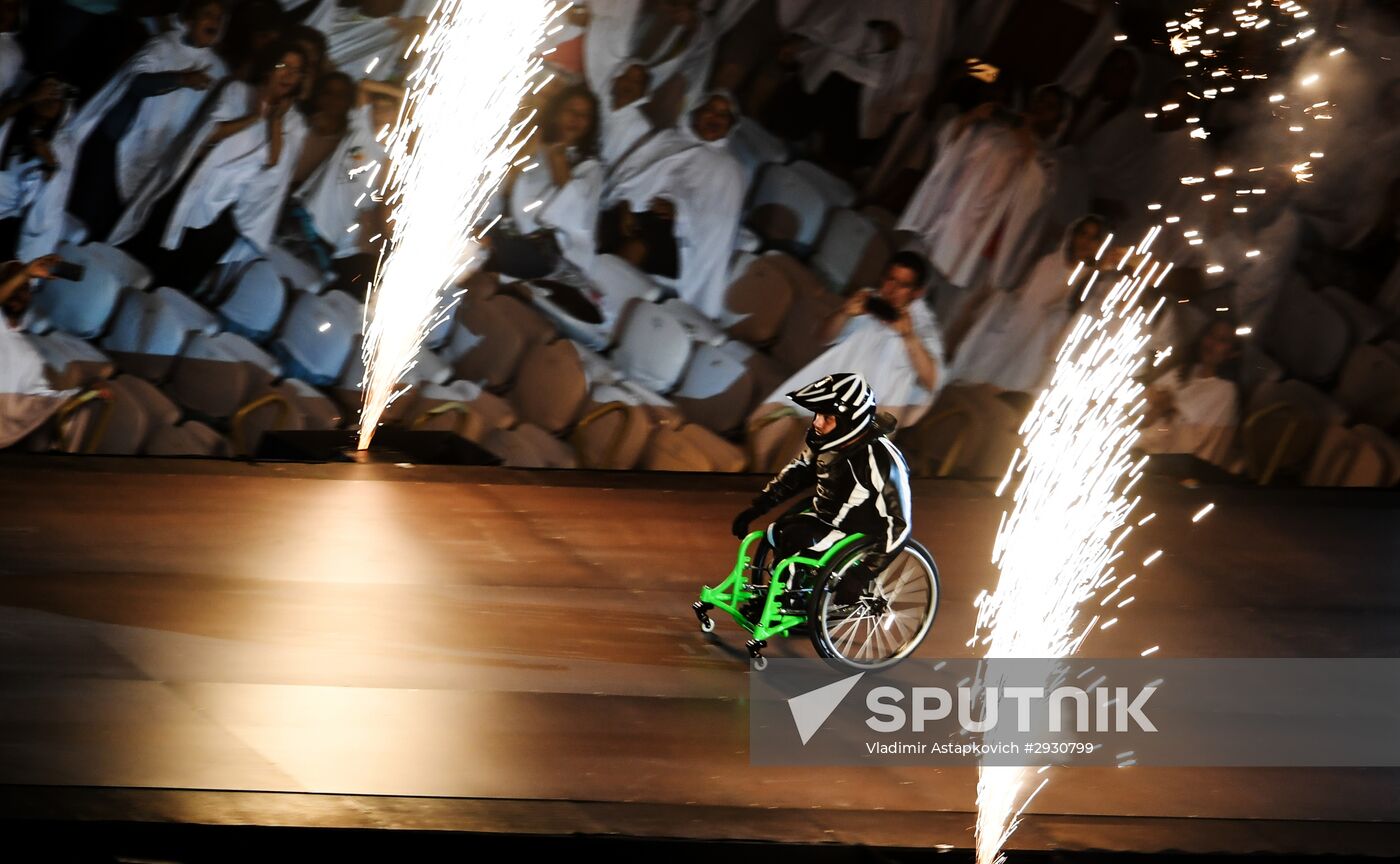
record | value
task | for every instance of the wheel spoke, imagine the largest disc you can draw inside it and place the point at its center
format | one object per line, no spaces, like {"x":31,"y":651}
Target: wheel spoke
{"x":894,"y":589}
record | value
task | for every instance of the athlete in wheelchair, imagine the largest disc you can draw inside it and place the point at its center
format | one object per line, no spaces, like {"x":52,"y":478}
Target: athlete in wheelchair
{"x":843,"y":567}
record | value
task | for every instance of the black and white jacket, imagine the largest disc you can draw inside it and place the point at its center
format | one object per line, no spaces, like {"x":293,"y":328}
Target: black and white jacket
{"x":861,"y":487}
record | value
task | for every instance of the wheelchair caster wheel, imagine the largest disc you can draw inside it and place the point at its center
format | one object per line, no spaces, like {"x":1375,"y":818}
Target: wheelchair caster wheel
{"x":706,"y":623}
{"x":755,"y":654}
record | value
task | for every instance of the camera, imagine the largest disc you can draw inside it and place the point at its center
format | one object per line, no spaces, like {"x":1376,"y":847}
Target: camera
{"x":881,"y":308}
{"x":68,"y":271}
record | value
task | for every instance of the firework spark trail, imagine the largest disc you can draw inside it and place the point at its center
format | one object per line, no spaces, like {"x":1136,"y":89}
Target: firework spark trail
{"x":1059,"y":545}
{"x":453,"y":145}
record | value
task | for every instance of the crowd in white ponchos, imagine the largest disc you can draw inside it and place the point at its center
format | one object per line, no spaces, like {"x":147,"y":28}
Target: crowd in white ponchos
{"x":200,"y":150}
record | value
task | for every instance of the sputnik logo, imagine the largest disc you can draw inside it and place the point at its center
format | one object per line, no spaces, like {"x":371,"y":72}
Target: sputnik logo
{"x":811,"y":709}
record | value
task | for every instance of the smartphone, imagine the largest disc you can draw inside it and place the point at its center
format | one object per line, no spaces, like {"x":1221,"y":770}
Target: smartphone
{"x":881,"y":308}
{"x":68,"y":271}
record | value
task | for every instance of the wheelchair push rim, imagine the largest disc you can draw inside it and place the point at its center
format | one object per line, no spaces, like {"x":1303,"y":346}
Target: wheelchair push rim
{"x":891,"y":620}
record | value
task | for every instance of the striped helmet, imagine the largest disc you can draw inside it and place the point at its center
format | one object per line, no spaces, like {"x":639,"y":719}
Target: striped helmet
{"x":845,"y":396}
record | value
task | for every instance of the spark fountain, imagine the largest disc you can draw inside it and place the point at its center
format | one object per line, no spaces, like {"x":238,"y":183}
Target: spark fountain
{"x":456,"y":138}
{"x":1058,"y":549}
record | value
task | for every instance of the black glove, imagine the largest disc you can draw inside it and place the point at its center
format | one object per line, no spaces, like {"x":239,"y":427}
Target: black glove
{"x":741,"y":522}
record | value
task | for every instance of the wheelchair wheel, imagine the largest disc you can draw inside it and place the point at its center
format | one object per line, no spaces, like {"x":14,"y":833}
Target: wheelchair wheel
{"x":890,"y":620}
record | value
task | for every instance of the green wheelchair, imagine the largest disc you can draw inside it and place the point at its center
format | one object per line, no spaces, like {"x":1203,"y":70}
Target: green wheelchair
{"x":887,"y":624}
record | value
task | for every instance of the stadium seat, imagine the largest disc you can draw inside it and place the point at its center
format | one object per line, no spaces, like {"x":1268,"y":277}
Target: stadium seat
{"x":1366,"y":321}
{"x":834,"y":191}
{"x":69,"y":361}
{"x":699,"y":327}
{"x":190,"y":438}
{"x":129,"y":272}
{"x":528,"y":446}
{"x":255,"y":302}
{"x":138,"y":409}
{"x":787,"y":210}
{"x":653,"y":347}
{"x":490,"y":347}
{"x":299,"y":274}
{"x":317,"y":338}
{"x":461,"y":407}
{"x":1306,"y":334}
{"x":1282,"y":427}
{"x":851,"y":253}
{"x":1369,"y":386}
{"x":150,"y":330}
{"x":81,"y":308}
{"x":968,"y":432}
{"x":1362,"y":456}
{"x":691,"y":448}
{"x":216,"y":375}
{"x":716,"y":390}
{"x":759,"y":297}
{"x":756,"y":147}
{"x":551,"y":386}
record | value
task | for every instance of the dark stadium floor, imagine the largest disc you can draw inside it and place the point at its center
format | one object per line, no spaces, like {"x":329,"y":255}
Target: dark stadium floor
{"x":503,"y":653}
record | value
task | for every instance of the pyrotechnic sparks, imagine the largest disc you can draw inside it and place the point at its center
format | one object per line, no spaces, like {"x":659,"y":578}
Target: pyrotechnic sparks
{"x":1072,"y":477}
{"x":456,"y":138}
{"x":1055,"y":548}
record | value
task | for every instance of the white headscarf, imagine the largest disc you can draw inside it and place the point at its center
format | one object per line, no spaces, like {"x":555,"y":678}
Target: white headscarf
{"x":706,"y":184}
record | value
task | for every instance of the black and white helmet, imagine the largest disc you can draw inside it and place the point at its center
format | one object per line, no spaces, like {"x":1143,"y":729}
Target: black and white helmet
{"x":845,"y":396}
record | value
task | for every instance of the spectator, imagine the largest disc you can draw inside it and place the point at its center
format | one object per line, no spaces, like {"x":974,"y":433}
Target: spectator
{"x":980,"y":207}
{"x":327,"y":121}
{"x":364,"y":32}
{"x":688,"y":177}
{"x":1103,"y":144}
{"x":253,"y":27}
{"x":313,"y":44}
{"x":1194,"y":408}
{"x":27,"y":160}
{"x":11,"y":52}
{"x":679,"y":39}
{"x":863,"y":64}
{"x":625,"y":123}
{"x":220,"y":199}
{"x":553,"y":206}
{"x":114,"y":143}
{"x":1016,"y":333}
{"x":890,"y":336}
{"x":342,"y":214}
{"x":26,"y":400}
{"x":607,"y":42}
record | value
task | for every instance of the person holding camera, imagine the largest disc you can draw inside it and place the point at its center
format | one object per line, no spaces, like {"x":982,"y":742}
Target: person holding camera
{"x":887,"y":334}
{"x":26,"y":398}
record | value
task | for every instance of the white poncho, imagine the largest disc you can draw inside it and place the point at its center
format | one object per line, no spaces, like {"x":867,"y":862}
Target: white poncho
{"x":234,"y":174}
{"x":338,"y":192}
{"x":143,"y":148}
{"x":1205,"y":421}
{"x":622,"y":128}
{"x":706,"y":184}
{"x":983,"y":185}
{"x":26,"y":400}
{"x":893,"y":82}
{"x":872,"y":348}
{"x":569,"y":211}
{"x":11,"y":62}
{"x":1016,"y":336}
